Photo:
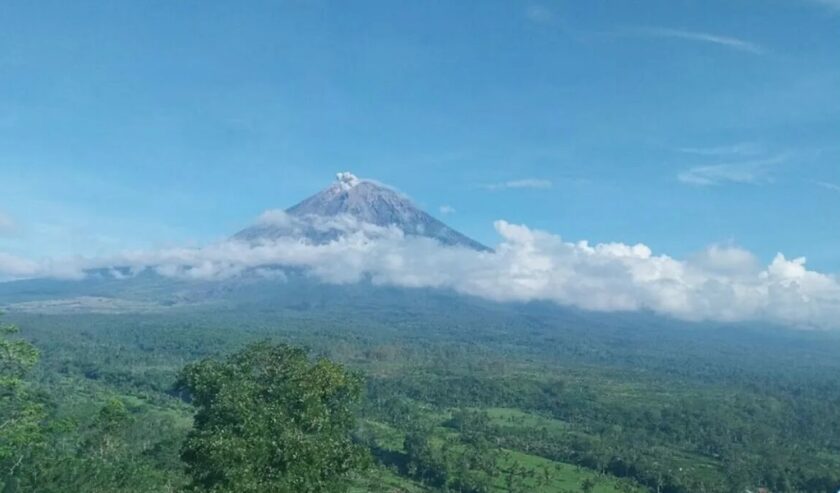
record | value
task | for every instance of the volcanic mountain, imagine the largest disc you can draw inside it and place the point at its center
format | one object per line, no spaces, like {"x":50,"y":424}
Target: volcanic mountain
{"x":350,"y":204}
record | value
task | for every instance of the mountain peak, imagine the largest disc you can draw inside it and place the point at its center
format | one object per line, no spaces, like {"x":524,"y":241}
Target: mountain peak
{"x":366,"y":202}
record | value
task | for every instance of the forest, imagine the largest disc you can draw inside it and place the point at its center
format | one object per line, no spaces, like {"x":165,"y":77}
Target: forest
{"x":424,"y":396}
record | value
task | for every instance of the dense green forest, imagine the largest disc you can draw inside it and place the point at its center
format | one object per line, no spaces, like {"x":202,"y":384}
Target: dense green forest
{"x":471,"y":398}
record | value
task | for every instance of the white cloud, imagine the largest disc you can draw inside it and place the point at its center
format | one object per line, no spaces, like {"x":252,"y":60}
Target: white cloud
{"x":723,"y":173}
{"x":446,"y":210}
{"x":700,"y":37}
{"x":274,"y":217}
{"x":533,"y":183}
{"x":742,"y":148}
{"x":744,"y":172}
{"x":743,"y":163}
{"x":12,"y":266}
{"x":721,"y":283}
{"x":15,"y":267}
{"x":727,"y":260}
{"x":828,"y":186}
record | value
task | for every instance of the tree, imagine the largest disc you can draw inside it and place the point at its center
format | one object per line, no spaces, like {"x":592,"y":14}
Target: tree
{"x":270,"y":419}
{"x":21,"y":415}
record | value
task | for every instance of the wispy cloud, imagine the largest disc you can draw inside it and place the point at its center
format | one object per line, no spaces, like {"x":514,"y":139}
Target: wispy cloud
{"x":721,"y":173}
{"x":748,"y":172}
{"x":533,"y":183}
{"x":828,"y":186}
{"x":700,"y":37}
{"x":446,"y":210}
{"x":741,"y":148}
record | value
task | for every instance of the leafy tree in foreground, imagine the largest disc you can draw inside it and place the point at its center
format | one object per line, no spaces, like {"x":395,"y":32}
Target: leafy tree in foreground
{"x":20,"y":414}
{"x":269,"y":419}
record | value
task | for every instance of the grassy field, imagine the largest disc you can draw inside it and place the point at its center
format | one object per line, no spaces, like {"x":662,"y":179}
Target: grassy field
{"x":515,"y":418}
{"x":383,"y":480}
{"x":534,"y":473}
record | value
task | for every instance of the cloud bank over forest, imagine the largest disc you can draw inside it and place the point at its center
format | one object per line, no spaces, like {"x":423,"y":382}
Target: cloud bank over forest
{"x":722,"y":283}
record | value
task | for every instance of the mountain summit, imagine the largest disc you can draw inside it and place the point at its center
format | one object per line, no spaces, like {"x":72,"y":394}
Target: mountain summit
{"x":317,"y":218}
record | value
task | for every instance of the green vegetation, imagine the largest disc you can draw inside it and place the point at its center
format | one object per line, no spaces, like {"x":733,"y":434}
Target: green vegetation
{"x":20,"y":413}
{"x":465,"y":398}
{"x":269,"y":420}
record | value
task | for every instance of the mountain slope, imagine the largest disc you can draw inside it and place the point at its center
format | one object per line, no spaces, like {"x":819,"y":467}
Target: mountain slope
{"x":363,"y":201}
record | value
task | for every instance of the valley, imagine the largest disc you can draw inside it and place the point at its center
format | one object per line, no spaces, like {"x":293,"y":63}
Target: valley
{"x":492,"y":397}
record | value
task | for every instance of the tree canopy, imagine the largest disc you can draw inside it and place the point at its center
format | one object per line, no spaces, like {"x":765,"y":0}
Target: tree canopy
{"x":20,"y":413}
{"x":269,"y":418}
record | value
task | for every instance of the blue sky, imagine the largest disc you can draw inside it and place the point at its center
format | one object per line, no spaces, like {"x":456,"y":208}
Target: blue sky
{"x":674,"y":123}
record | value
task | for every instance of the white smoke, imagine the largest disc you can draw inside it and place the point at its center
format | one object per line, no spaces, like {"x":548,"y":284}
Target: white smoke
{"x":347,"y":180}
{"x":721,"y":283}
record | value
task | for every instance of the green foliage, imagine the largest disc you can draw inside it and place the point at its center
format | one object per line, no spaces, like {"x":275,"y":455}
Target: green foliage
{"x":21,"y":414}
{"x":113,"y":416}
{"x":453,"y":464}
{"x":538,"y":402}
{"x":270,"y":419}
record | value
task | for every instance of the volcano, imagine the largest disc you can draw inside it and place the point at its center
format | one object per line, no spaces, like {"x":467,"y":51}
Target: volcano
{"x":348,"y":205}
